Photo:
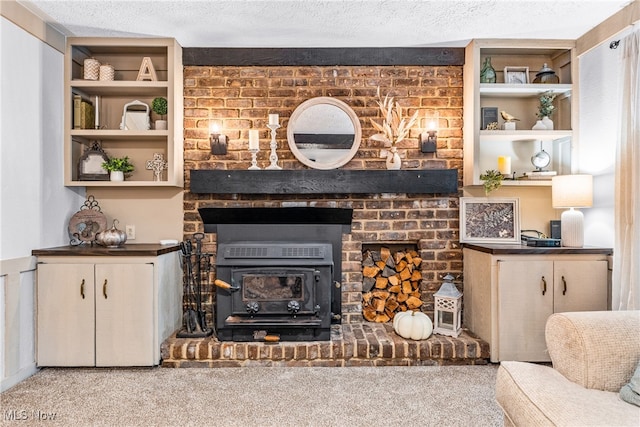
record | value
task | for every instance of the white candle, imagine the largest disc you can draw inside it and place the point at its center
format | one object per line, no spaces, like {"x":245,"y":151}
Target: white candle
{"x":504,"y":165}
{"x":97,"y":113}
{"x":253,"y":139}
{"x":273,"y":119}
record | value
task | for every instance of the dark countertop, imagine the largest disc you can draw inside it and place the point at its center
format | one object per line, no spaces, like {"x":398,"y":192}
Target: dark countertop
{"x":128,"y":249}
{"x":498,"y":249}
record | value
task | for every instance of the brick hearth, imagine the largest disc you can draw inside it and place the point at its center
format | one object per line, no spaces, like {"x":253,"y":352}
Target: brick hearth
{"x":355,"y":344}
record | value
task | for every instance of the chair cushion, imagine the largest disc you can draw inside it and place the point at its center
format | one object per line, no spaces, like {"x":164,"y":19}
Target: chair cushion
{"x":532,"y":394}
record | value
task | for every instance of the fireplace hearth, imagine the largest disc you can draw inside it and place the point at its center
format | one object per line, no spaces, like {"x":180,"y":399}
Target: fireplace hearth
{"x":283,"y":266}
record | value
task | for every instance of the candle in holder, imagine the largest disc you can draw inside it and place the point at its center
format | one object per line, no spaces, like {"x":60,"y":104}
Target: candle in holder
{"x":504,"y":165}
{"x":273,"y":119}
{"x":254,"y":139}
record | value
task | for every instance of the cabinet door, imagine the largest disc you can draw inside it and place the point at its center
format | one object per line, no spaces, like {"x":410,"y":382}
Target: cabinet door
{"x":124,"y":315}
{"x":65,"y":315}
{"x":580,"y":286}
{"x":525,"y":301}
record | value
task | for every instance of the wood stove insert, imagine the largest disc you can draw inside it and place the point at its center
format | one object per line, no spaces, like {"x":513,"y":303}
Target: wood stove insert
{"x":284,"y":268}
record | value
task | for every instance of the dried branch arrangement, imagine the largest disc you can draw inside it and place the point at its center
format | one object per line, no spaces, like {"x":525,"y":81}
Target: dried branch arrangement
{"x":395,"y":127}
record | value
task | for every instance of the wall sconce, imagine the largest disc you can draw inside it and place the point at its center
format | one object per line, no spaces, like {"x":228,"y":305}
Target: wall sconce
{"x":572,"y":191}
{"x":217,"y":141}
{"x":429,"y":138}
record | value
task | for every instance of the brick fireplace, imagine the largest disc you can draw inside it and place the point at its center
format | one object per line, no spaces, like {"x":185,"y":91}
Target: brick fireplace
{"x":240,"y":98}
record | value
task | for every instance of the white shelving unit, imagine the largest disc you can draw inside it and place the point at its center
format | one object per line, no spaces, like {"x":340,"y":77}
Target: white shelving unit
{"x":126,"y":56}
{"x":483,"y":147}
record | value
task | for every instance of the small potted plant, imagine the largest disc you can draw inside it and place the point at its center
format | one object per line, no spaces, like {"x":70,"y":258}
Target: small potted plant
{"x":492,"y":180}
{"x":159,"y":106}
{"x":545,"y":109}
{"x":117,"y":167}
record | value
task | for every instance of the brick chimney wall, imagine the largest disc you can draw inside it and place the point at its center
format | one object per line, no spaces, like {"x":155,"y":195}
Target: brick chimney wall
{"x":240,"y":98}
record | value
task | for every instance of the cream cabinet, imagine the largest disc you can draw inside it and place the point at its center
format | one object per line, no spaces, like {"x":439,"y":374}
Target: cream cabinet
{"x":508,"y":296}
{"x":105,"y":310}
{"x":483,"y":146}
{"x":130,"y":58}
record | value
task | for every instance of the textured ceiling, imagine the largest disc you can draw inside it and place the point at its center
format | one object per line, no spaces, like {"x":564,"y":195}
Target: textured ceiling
{"x":322,"y":23}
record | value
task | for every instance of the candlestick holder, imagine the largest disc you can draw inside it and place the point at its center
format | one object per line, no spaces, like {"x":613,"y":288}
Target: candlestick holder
{"x":273,"y":157}
{"x":254,"y":161}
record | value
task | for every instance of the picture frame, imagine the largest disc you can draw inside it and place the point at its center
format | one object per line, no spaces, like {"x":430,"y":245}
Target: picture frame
{"x":490,"y":220}
{"x":516,"y":75}
{"x":90,"y":164}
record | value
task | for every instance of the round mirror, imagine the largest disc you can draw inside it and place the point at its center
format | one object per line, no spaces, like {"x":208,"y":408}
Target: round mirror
{"x":324,"y":133}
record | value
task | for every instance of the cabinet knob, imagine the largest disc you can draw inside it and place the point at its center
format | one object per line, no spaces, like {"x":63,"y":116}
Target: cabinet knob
{"x":544,"y":285}
{"x":82,"y":288}
{"x":564,"y":286}
{"x":104,"y":289}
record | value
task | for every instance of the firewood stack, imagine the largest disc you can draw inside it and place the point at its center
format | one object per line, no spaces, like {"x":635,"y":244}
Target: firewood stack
{"x":391,"y":283}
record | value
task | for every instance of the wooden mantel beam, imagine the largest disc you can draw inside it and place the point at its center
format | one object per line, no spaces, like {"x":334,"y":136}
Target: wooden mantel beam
{"x":242,"y":57}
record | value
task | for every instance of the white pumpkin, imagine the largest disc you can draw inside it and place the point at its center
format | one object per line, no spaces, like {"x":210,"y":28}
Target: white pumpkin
{"x":413,"y":324}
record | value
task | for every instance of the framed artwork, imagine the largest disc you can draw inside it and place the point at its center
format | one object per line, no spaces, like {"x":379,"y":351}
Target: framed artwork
{"x":516,"y":75}
{"x":489,"y":116}
{"x":489,"y":220}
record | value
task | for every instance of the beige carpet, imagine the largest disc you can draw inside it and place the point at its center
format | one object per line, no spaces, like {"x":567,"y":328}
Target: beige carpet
{"x":257,"y":396}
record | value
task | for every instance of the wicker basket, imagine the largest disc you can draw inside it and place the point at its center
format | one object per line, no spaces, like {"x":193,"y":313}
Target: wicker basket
{"x":91,"y":69}
{"x":107,"y":72}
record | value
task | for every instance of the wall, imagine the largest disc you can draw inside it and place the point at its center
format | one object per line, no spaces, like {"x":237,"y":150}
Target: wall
{"x":240,"y":99}
{"x":34,"y":206}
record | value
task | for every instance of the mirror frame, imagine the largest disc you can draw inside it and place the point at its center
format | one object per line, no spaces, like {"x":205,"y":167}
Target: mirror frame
{"x":319,"y":101}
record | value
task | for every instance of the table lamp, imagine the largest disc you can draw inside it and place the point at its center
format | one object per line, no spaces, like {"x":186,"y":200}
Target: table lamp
{"x":572,"y":191}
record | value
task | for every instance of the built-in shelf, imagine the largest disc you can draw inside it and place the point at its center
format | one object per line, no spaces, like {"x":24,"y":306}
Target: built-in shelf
{"x":522,"y":90}
{"x":311,"y":181}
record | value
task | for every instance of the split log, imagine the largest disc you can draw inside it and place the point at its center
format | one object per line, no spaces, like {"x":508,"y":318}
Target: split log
{"x":413,"y":302}
{"x":382,"y":282}
{"x":370,"y":271}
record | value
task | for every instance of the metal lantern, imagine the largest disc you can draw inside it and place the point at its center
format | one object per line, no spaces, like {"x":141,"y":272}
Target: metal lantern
{"x":447,"y":309}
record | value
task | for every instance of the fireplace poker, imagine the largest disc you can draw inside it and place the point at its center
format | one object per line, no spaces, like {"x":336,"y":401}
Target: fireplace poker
{"x":198,"y":237}
{"x":191,"y":321}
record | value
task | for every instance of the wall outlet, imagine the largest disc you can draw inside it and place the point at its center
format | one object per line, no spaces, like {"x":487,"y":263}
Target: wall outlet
{"x":131,"y":232}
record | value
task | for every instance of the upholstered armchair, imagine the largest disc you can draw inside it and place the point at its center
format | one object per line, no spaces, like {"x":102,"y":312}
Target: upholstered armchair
{"x":594,"y":354}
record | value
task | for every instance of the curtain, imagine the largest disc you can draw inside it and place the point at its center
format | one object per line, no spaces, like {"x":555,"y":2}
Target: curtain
{"x":626,"y":255}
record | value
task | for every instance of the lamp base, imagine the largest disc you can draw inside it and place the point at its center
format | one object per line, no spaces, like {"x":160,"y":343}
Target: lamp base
{"x":572,"y":228}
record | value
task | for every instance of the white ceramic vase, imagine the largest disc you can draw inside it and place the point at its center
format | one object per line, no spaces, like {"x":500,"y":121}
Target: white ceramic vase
{"x":161,"y":125}
{"x":539,"y":126}
{"x":393,"y":160}
{"x":116,"y":176}
{"x":547,"y":122}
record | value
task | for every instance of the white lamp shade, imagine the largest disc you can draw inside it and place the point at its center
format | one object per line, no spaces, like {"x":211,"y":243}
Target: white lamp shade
{"x":572,"y":191}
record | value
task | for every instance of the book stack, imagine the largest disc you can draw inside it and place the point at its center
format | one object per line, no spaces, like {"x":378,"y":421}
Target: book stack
{"x":541,"y":174}
{"x":83,"y":113}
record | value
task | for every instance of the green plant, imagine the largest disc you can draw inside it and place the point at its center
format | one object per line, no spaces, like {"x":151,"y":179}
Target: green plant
{"x":122,"y":164}
{"x":546,"y":105}
{"x":159,"y":106}
{"x":492,"y":180}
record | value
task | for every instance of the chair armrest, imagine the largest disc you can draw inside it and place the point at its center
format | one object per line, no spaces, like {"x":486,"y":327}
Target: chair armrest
{"x":596,"y":349}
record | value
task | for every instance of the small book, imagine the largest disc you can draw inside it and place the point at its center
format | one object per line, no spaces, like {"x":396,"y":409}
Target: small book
{"x":87,"y":115}
{"x":542,"y":174}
